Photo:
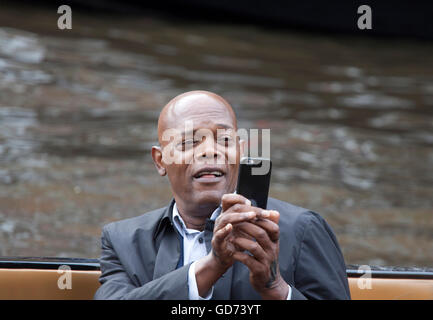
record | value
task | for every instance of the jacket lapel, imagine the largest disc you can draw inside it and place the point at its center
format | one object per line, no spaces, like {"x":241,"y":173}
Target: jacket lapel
{"x":168,"y":254}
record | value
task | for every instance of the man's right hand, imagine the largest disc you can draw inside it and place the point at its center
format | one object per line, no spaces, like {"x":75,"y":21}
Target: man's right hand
{"x":235,"y":209}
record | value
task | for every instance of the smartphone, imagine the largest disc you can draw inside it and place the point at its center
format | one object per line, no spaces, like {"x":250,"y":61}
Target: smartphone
{"x":254,"y":179}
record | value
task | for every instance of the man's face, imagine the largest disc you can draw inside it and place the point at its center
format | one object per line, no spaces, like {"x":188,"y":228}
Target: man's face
{"x":200,"y":151}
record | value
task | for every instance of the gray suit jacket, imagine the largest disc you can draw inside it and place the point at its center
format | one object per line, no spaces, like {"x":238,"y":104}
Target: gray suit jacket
{"x":140,"y":255}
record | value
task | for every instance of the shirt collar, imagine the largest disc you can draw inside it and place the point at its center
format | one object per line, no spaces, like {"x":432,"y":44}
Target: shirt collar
{"x":180,"y":224}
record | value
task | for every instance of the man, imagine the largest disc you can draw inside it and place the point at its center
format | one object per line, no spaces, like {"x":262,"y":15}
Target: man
{"x":210,"y":243}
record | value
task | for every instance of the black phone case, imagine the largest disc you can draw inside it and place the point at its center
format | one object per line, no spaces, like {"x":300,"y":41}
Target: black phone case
{"x":254,"y":187}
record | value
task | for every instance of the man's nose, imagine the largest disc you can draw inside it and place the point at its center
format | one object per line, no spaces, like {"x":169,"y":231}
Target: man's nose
{"x":207,"y":151}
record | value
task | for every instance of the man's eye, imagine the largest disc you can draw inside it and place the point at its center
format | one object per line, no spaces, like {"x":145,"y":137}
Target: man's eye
{"x":186,"y":144}
{"x":225,"y":140}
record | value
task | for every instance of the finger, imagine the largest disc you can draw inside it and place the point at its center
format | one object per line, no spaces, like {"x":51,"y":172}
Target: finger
{"x":239,"y":233}
{"x":271,"y":228}
{"x":252,"y":264}
{"x":221,"y":235}
{"x":230,"y":199}
{"x":222,"y":249}
{"x":234,"y":218}
{"x":253,"y":247}
{"x":261,"y":213}
{"x":258,"y":233}
{"x":275,"y":216}
{"x":272,"y":215}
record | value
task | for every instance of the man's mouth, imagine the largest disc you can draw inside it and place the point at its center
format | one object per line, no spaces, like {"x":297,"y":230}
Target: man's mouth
{"x":209,"y":174}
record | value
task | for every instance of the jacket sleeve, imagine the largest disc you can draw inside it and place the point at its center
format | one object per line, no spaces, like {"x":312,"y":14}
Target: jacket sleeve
{"x":116,"y":283}
{"x":320,"y":271}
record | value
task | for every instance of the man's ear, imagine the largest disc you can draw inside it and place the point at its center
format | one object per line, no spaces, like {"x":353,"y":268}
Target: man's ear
{"x":157,"y":160}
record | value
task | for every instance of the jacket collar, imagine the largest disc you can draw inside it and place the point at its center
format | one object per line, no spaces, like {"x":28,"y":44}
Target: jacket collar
{"x":166,"y":219}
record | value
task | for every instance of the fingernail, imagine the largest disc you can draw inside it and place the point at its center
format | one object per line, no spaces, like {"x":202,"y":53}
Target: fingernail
{"x":248,"y":202}
{"x":266,"y":213}
{"x":250,"y":214}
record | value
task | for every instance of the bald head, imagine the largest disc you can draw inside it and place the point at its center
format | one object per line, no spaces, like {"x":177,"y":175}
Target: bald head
{"x":194,"y":105}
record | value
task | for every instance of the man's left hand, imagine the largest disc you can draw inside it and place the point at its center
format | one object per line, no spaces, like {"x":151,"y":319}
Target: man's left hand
{"x":265,"y":274}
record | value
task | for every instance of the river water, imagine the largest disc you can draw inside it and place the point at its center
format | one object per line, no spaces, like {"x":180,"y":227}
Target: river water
{"x":351,"y":126}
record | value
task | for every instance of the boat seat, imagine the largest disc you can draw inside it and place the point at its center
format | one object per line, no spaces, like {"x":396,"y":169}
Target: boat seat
{"x":43,"y":284}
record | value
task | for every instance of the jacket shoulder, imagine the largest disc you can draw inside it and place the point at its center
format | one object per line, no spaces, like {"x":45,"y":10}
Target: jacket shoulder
{"x":295,"y":218}
{"x":285,"y":207}
{"x":290,"y":213}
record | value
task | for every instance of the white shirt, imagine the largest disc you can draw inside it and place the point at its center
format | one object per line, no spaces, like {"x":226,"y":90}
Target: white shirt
{"x":194,"y":248}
